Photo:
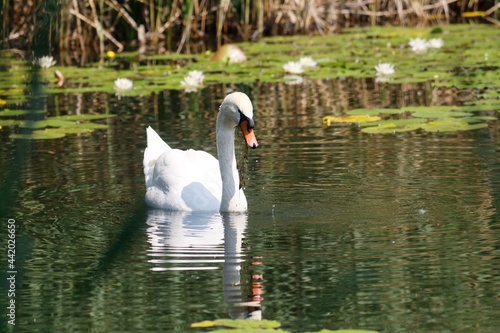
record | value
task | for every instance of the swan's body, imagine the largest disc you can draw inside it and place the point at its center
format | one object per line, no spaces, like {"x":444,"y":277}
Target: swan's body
{"x":193,"y":180}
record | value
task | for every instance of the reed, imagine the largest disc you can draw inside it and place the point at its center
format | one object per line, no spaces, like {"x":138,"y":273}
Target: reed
{"x":93,"y":27}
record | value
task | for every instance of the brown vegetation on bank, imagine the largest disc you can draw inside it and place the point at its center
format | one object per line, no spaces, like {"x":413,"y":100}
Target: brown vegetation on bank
{"x":79,"y":28}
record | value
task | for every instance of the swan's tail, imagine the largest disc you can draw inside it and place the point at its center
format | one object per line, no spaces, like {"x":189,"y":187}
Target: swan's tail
{"x":156,"y":147}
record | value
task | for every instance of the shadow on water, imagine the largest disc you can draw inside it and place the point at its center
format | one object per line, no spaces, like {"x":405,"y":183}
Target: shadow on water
{"x":9,"y":195}
{"x":188,"y":241}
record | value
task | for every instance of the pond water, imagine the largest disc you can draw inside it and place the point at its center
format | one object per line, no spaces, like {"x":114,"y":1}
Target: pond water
{"x":388,"y":232}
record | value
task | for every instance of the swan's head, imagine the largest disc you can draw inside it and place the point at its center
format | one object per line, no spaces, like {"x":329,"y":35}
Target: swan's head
{"x":238,"y":108}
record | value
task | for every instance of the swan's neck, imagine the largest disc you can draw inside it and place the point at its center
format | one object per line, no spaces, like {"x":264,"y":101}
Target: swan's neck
{"x":233,"y":199}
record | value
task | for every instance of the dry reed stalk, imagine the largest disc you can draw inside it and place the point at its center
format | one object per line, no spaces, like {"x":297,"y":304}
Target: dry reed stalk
{"x":96,"y":26}
{"x":80,"y":33}
{"x":122,"y":12}
{"x":187,"y":30}
{"x":223,"y":8}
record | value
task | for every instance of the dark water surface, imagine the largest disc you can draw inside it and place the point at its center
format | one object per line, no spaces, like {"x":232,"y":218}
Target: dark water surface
{"x":396,"y":233}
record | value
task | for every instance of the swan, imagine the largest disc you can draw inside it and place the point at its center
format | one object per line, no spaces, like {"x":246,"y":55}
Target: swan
{"x":194,"y":180}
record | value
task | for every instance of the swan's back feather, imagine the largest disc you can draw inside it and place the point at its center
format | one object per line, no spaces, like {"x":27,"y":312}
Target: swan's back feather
{"x":187,"y":180}
{"x":156,"y":147}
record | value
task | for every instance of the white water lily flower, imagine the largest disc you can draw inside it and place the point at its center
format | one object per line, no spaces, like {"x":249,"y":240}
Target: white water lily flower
{"x":293,"y":79}
{"x":384,"y":69}
{"x":45,"y":62}
{"x":293,"y":67}
{"x":190,"y":83}
{"x":435,"y":43}
{"x":193,"y":80}
{"x":418,"y":45}
{"x":307,"y":62}
{"x":197,"y":75}
{"x":123,"y":84}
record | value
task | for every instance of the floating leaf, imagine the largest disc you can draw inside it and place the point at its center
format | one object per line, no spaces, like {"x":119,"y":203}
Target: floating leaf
{"x":374,"y":112}
{"x":350,"y":119}
{"x":9,"y":122}
{"x":68,"y":130}
{"x":205,"y":323}
{"x":438,"y":114}
{"x":402,"y":123}
{"x":90,"y":126}
{"x":10,"y":113}
{"x":440,"y":108}
{"x":474,"y":119}
{"x":47,"y":123}
{"x":242,"y":323}
{"x":38,"y":135}
{"x":389,"y":128}
{"x":251,"y":330}
{"x":171,"y":56}
{"x":85,"y":117}
{"x":346,"y":331}
{"x":483,"y":105}
{"x":440,"y":125}
{"x":58,"y":122}
{"x":446,"y":126}
{"x":238,"y":323}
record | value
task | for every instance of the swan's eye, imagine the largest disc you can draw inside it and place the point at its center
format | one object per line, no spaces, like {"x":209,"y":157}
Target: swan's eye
{"x":250,"y":122}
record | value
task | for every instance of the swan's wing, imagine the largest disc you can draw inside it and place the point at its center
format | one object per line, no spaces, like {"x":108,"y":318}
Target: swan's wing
{"x":186,"y":180}
{"x":156,"y":147}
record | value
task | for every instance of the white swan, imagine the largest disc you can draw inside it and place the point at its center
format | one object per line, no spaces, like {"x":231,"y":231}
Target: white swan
{"x":194,"y":180}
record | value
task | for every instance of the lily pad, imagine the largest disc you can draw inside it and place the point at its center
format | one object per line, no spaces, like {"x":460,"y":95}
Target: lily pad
{"x":475,"y":119}
{"x":401,"y":123}
{"x":9,"y":122}
{"x":85,"y":117}
{"x":346,"y":331}
{"x":436,"y":111}
{"x":360,"y":119}
{"x":374,"y":112}
{"x":438,"y":114}
{"x":441,"y":125}
{"x":388,"y":128}
{"x":92,"y":126}
{"x":238,"y":323}
{"x":38,"y":135}
{"x":444,"y":126}
{"x":483,"y":105}
{"x":11,"y":113}
{"x":47,"y":123}
{"x":251,"y":330}
{"x":68,"y":130}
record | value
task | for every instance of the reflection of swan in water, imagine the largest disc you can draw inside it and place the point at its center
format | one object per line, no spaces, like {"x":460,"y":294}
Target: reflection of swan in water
{"x":185,"y":240}
{"x":198,"y":241}
{"x":239,"y":307}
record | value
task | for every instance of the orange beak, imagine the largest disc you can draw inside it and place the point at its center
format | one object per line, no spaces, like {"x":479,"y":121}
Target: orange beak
{"x":249,"y":135}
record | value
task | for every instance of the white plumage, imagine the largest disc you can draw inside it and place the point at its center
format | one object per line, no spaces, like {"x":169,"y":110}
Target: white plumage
{"x":193,"y":180}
